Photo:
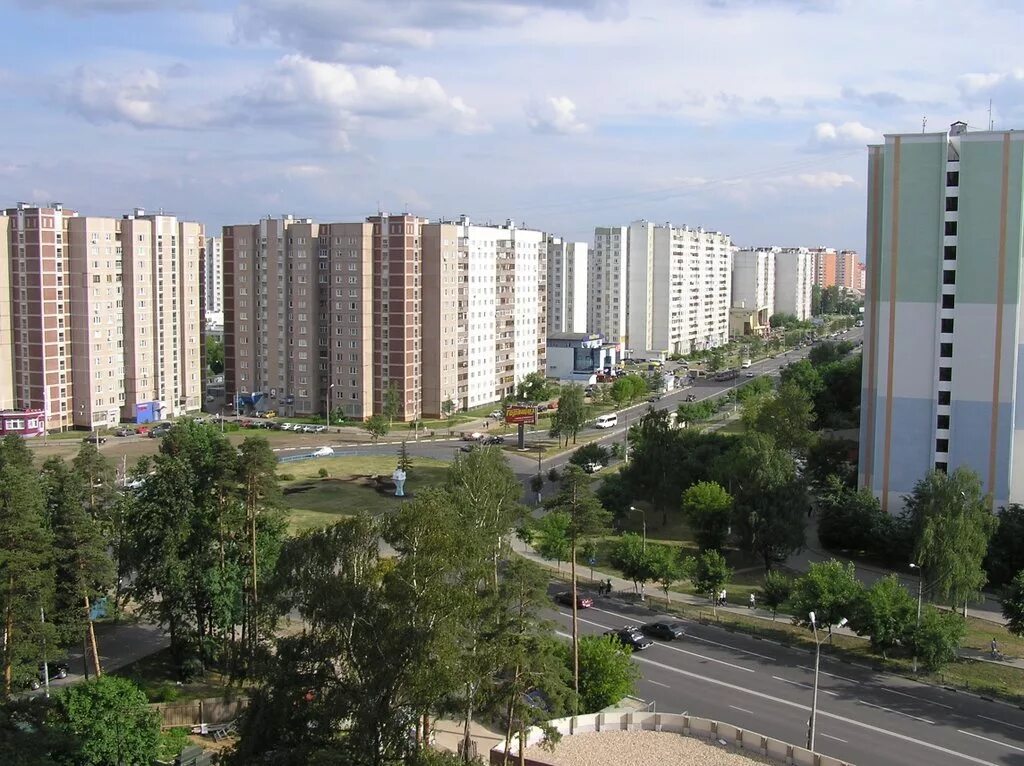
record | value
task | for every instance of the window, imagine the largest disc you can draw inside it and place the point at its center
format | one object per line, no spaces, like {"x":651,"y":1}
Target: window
{"x":942,"y":422}
{"x":952,"y":203}
{"x":948,"y":277}
{"x":950,"y":228}
{"x":948,"y":302}
{"x":947,"y":325}
{"x":946,"y":374}
{"x":944,"y":397}
{"x":953,"y":178}
{"x":941,"y":467}
{"x":942,"y":445}
{"x":946,"y":350}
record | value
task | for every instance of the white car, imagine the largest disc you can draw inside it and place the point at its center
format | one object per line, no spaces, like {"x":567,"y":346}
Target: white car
{"x":496,"y":414}
{"x":323,"y":452}
{"x":592,"y":467}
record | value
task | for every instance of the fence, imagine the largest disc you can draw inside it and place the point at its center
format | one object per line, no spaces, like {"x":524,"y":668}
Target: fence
{"x":195,"y":712}
{"x":686,"y":725}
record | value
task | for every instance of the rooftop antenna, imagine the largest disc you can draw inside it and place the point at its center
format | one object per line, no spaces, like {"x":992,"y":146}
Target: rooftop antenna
{"x":991,"y":125}
{"x":924,"y":122}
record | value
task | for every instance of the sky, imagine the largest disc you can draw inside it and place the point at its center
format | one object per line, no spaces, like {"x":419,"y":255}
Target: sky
{"x":744,"y":116}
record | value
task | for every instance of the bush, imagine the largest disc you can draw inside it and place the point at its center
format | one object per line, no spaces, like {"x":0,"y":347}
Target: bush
{"x":590,"y":453}
{"x":286,"y":477}
{"x":554,"y":475}
{"x":937,"y":639}
{"x":172,"y":742}
{"x":322,"y":473}
{"x":607,"y":674}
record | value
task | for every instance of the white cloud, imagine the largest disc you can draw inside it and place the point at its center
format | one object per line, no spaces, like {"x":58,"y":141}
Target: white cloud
{"x":136,"y":98}
{"x":300,"y":90}
{"x":112,"y":6}
{"x":554,"y":114}
{"x":300,"y":171}
{"x":827,"y":136}
{"x":825,"y":179}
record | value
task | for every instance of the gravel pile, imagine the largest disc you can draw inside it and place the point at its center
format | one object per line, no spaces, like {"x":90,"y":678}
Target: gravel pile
{"x":639,"y":748}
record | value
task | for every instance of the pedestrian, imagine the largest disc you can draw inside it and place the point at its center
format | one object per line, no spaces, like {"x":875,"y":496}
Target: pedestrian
{"x":995,"y":648}
{"x":753,"y":601}
{"x":608,"y":587}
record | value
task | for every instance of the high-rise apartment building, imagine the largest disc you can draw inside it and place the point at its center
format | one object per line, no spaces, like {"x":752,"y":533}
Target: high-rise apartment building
{"x":823,"y":265}
{"x":847,"y":262}
{"x":753,"y":282}
{"x":794,"y":275}
{"x":105,"y":315}
{"x":7,"y":398}
{"x":213,"y":268}
{"x":943,"y":316}
{"x":567,"y":285}
{"x":484,"y":311}
{"x":680,"y":287}
{"x":608,"y":277}
{"x":860,"y":277}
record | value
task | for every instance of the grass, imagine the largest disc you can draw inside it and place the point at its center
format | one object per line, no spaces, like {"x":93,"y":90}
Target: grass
{"x":316,"y":502}
{"x":155,"y":674}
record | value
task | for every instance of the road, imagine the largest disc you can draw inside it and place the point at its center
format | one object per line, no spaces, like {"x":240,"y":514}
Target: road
{"x":868,"y":718}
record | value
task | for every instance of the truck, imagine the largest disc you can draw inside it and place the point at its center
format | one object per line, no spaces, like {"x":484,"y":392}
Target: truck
{"x":727,"y":375}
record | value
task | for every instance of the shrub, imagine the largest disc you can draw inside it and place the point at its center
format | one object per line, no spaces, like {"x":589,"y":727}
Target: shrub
{"x":322,"y":473}
{"x":554,"y":475}
{"x":286,"y":477}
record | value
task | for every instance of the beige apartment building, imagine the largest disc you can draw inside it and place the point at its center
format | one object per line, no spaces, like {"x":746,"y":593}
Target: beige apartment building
{"x":105,"y":315}
{"x":7,"y":398}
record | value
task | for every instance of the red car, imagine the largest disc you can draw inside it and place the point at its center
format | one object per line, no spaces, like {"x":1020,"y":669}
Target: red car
{"x":582,"y":601}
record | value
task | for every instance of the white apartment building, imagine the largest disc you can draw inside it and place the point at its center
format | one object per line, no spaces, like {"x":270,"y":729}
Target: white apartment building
{"x":213,"y":268}
{"x":794,"y":277}
{"x":753,"y":282}
{"x":608,"y":279}
{"x":567,"y":285}
{"x":679,"y":291}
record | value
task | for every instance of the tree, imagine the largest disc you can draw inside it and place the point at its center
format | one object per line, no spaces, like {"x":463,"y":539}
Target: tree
{"x":26,"y":568}
{"x":952,"y":524}
{"x":1006,"y":549}
{"x":775,"y":591}
{"x":885,"y":613}
{"x":804,"y":375}
{"x":404,"y":461}
{"x":710,"y":572}
{"x":831,"y":590}
{"x":708,"y":510}
{"x":586,"y":518}
{"x":666,"y":566}
{"x":376,"y":426}
{"x":824,"y":353}
{"x":850,"y":520}
{"x":770,"y":502}
{"x":571,"y":415}
{"x":782,"y":321}
{"x":616,"y":495}
{"x":831,"y":457}
{"x":628,"y":388}
{"x":111,"y":719}
{"x":1013,"y":605}
{"x":533,"y":388}
{"x":448,"y":408}
{"x":631,"y":556}
{"x":392,"y":405}
{"x":28,"y":737}
{"x":936,"y":640}
{"x":214,"y":354}
{"x":590,"y":453}
{"x":550,"y":536}
{"x":837,"y":403}
{"x":606,"y":672}
{"x":815,"y":300}
{"x":787,"y":417}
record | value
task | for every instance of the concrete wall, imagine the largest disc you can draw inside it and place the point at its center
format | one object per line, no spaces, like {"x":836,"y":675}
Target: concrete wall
{"x":686,"y":725}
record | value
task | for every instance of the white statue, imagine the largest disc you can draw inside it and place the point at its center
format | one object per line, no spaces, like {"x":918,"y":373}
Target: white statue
{"x":399,"y":478}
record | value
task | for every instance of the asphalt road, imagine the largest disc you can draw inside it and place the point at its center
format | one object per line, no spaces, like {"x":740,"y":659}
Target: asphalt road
{"x":868,"y":718}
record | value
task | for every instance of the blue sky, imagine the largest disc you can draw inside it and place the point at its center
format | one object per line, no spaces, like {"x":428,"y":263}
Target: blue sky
{"x":744,"y":116}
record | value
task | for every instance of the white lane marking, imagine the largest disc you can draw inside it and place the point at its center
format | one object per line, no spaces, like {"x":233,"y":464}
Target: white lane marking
{"x":673,"y":648}
{"x":914,"y":697}
{"x":1004,"y":723}
{"x":658,"y":683}
{"x":993,"y":741}
{"x":698,"y":638}
{"x":830,"y":675}
{"x":805,"y":686}
{"x":742,"y":709}
{"x":823,"y":713}
{"x":897,"y":712}
{"x":829,"y":736}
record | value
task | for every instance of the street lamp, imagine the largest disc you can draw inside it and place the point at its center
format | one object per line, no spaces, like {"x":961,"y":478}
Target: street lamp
{"x":817,"y":661}
{"x":920,"y":594}
{"x":329,"y":402}
{"x":644,"y":512}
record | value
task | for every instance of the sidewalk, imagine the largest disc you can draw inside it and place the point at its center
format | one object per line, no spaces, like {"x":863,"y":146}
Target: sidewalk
{"x":625,"y":587}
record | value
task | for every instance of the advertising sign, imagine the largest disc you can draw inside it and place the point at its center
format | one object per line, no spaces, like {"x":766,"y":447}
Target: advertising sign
{"x":521,"y":413}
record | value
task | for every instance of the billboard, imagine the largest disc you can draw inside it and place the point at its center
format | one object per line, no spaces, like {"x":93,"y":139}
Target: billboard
{"x":521,"y":413}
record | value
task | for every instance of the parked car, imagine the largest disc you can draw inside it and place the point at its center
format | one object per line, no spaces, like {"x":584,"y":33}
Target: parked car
{"x":630,"y":636}
{"x":56,"y":671}
{"x":95,"y":439}
{"x":123,"y":432}
{"x":668,"y":631}
{"x":592,"y":467}
{"x":496,"y":414}
{"x":582,"y":601}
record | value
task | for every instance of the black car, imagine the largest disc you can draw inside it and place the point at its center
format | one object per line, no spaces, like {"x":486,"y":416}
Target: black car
{"x":95,"y":440}
{"x":467,"y":448}
{"x":630,"y":636}
{"x":56,"y":670}
{"x":582,"y":601}
{"x":653,"y":399}
{"x":494,"y":440}
{"x":668,"y":631}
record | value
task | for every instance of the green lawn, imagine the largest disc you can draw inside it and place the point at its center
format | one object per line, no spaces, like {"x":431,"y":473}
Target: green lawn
{"x":316,"y":502}
{"x":156,"y":676}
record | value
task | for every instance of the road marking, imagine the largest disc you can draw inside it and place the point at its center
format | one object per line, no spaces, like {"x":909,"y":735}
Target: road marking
{"x":993,"y":741}
{"x":914,"y":697}
{"x":658,"y":683}
{"x":1004,"y":723}
{"x":897,"y":712}
{"x":742,"y":709}
{"x":805,"y":686}
{"x":705,"y":640}
{"x":830,"y":675}
{"x":822,"y":713}
{"x":829,"y":736}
